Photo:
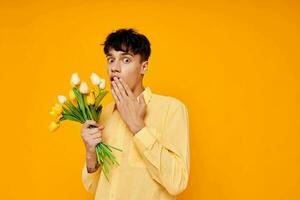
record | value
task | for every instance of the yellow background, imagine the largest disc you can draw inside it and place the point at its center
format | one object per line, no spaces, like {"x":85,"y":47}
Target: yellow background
{"x":234,"y":64}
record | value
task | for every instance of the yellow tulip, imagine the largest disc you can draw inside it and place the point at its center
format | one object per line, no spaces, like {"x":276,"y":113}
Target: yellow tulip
{"x":95,"y":79}
{"x":58,"y":118}
{"x":61,"y":99}
{"x":75,"y":80}
{"x":83,"y":88}
{"x":72,"y":95}
{"x":57,"y":108}
{"x":74,"y":102}
{"x":53,"y":126}
{"x":102,"y":84}
{"x":90,"y":98}
{"x":52,"y":113}
{"x":95,"y":90}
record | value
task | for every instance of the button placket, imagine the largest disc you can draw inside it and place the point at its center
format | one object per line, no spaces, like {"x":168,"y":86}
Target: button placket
{"x":114,"y":176}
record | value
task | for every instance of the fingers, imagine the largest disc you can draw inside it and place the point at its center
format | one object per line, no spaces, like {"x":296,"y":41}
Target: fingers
{"x":121,"y":90}
{"x":115,"y":96}
{"x":117,"y":91}
{"x":142,"y":100}
{"x":120,"y":87}
{"x":97,"y":141}
{"x":92,"y":131}
{"x":101,"y":127}
{"x":96,"y":136}
{"x":86,"y":130}
{"x":91,"y":136}
{"x":88,"y":123}
{"x":127,"y":89}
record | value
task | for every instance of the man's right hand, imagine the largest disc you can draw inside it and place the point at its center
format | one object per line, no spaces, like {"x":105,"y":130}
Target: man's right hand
{"x":91,"y":136}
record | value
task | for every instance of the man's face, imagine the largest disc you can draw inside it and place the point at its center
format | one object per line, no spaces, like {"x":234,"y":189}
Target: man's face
{"x":127,"y":66}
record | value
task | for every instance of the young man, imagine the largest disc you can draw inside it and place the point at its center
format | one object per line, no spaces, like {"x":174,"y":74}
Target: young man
{"x":151,"y":129}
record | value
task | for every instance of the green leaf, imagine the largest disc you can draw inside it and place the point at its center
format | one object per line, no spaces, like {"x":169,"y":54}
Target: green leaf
{"x":105,"y":170}
{"x":99,"y":111}
{"x":93,"y":112}
{"x":108,"y":153}
{"x":70,"y":117}
{"x":100,"y":154}
{"x":106,"y":147}
{"x":113,"y":147}
{"x":90,"y":116}
{"x":100,"y":96}
{"x":68,"y":112}
{"x":81,"y":102}
{"x":98,"y":157}
{"x":74,"y":111}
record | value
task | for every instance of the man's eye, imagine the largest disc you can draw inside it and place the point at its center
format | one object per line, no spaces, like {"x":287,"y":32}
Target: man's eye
{"x":126,"y":60}
{"x":109,"y":60}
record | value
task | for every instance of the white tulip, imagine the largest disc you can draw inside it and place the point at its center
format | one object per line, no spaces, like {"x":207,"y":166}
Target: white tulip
{"x":95,"y":79}
{"x":102,"y":84}
{"x":61,"y":99}
{"x":83,"y":88}
{"x":75,"y":80}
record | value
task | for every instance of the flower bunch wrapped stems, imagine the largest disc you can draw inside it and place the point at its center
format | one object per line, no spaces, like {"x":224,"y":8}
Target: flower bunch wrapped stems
{"x":85,"y":104}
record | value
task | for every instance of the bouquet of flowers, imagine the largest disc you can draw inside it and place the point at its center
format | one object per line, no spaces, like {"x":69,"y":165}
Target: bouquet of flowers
{"x":84,"y":104}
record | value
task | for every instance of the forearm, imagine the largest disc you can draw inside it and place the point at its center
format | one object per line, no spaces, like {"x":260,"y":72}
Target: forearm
{"x":91,"y":161}
{"x":165,"y":164}
{"x":91,"y":172}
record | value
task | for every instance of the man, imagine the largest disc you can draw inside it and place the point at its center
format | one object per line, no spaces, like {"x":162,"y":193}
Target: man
{"x":151,"y":129}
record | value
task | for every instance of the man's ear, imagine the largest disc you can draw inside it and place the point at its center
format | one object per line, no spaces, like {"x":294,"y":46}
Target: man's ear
{"x":144,"y":67}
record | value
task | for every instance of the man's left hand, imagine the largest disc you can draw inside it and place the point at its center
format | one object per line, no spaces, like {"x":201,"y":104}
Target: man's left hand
{"x":131,"y":110}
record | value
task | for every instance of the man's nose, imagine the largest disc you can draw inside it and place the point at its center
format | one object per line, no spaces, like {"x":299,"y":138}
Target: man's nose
{"x":116,"y":67}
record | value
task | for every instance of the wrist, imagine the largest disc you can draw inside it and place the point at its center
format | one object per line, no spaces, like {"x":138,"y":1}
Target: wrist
{"x":93,"y":169}
{"x":90,"y":150}
{"x":138,"y":127}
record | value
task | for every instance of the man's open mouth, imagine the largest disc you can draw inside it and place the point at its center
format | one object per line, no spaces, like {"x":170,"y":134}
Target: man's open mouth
{"x":112,"y":78}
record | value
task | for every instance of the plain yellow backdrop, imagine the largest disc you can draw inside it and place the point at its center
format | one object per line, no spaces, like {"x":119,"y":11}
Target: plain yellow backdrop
{"x":234,"y":64}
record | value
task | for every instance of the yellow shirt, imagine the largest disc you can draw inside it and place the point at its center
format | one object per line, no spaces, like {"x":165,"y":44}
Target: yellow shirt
{"x":154,"y":163}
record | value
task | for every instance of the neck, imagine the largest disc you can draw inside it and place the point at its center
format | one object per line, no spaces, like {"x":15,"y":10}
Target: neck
{"x":137,"y":90}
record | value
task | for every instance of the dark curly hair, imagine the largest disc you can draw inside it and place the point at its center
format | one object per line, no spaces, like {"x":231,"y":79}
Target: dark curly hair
{"x":128,"y":40}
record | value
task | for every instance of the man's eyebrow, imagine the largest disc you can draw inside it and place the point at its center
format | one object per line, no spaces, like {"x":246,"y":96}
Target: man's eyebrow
{"x":127,"y":53}
{"x":124,"y":53}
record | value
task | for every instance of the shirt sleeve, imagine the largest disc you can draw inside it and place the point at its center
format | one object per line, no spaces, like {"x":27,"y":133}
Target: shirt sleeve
{"x":90,"y":180}
{"x":167,"y":158}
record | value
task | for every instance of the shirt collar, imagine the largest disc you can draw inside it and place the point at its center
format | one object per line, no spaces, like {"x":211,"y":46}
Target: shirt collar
{"x":147,"y":96}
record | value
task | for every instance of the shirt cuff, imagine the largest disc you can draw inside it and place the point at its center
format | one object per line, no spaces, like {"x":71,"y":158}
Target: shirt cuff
{"x":92,"y":175}
{"x":144,"y":138}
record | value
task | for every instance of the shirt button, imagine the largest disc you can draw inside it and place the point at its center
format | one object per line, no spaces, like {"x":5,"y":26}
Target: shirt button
{"x":112,"y":196}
